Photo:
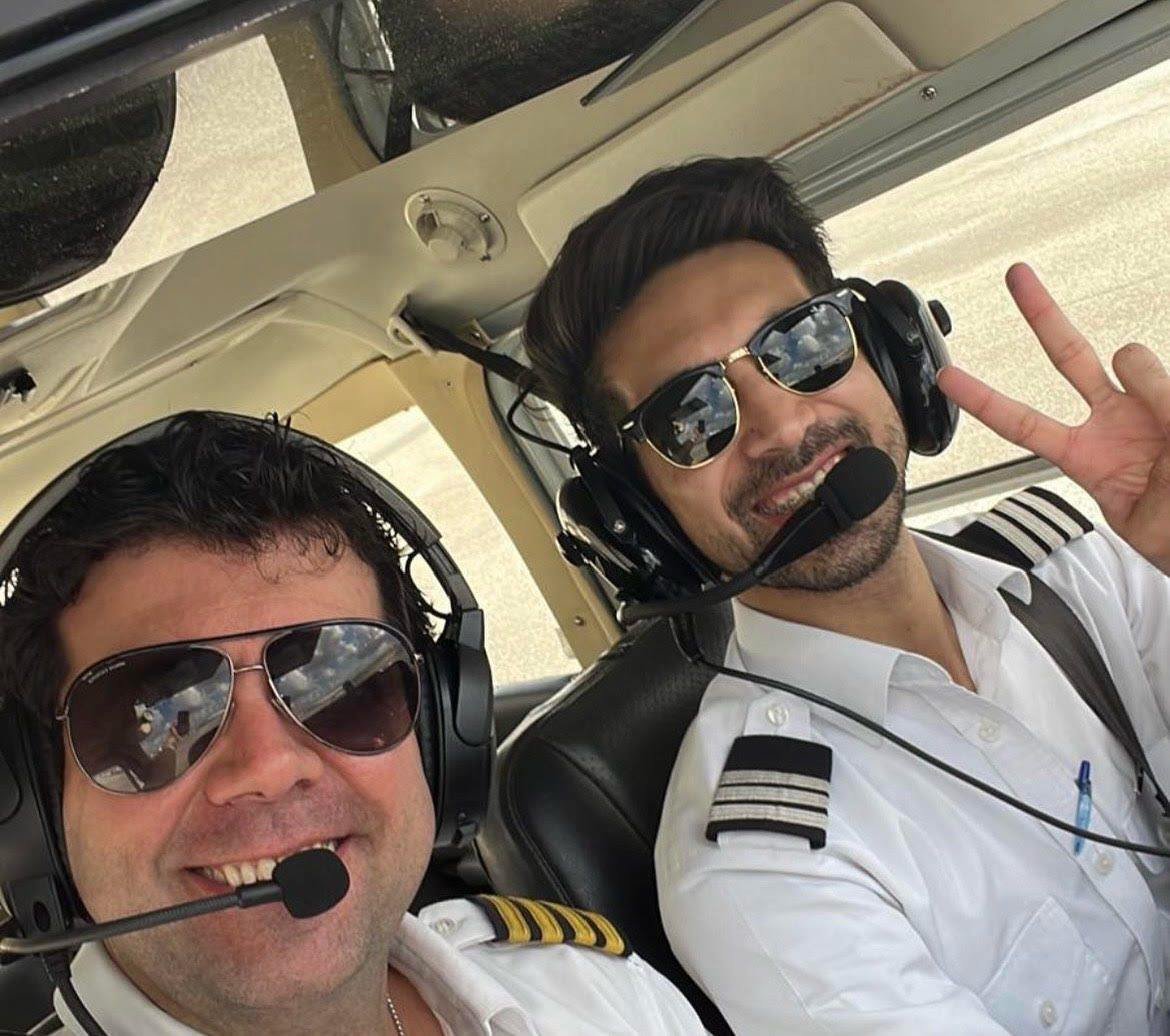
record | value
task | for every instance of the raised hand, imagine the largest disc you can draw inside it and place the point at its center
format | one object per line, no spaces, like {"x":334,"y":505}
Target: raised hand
{"x":1121,"y":454}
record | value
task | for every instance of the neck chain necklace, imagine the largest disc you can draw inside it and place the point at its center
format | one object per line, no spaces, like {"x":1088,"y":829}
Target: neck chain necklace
{"x":394,"y":1015}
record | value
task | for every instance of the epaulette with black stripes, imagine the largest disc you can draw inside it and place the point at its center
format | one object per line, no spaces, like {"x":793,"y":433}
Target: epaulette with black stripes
{"x":518,"y":920}
{"x":772,"y":783}
{"x":1026,"y":528}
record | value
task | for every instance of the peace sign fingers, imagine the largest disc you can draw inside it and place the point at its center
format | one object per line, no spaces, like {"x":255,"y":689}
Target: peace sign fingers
{"x":1007,"y":417}
{"x":1069,"y":350}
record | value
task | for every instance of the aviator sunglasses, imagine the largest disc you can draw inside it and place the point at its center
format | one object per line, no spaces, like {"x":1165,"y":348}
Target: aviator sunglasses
{"x":139,"y":720}
{"x":691,"y":418}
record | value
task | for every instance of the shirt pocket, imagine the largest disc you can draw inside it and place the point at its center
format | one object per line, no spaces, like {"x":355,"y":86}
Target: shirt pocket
{"x":1049,"y":981}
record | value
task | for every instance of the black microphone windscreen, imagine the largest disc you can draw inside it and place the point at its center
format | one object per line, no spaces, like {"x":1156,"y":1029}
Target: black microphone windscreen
{"x":311,"y":881}
{"x":860,"y":481}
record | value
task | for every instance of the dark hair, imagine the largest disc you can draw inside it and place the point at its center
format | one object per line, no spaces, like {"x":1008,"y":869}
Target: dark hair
{"x":221,"y":482}
{"x":664,"y":217}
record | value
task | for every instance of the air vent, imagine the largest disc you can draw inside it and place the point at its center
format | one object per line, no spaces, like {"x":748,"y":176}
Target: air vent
{"x":454,"y":228}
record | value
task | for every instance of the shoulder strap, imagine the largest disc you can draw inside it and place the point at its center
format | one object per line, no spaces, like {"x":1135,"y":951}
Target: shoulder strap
{"x":774,"y":783}
{"x":519,"y":920}
{"x":1022,"y":531}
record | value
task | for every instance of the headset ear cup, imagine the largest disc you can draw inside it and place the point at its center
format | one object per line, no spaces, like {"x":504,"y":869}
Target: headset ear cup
{"x":907,"y":350}
{"x":640,"y":549}
{"x":921,"y":353}
{"x":34,"y":876}
{"x":459,"y":686}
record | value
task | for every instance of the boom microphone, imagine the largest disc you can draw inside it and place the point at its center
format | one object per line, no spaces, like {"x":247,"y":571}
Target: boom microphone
{"x":307,"y":883}
{"x":857,"y":486}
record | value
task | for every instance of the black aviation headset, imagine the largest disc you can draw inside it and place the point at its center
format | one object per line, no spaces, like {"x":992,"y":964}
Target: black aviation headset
{"x":611,"y":521}
{"x":454,"y":727}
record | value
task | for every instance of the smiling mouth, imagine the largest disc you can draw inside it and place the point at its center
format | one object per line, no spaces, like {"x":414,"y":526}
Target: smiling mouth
{"x":248,"y":872}
{"x":783,"y":501}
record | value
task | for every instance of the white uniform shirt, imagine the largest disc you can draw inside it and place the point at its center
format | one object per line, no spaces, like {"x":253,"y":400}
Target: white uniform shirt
{"x":933,"y":908}
{"x":474,"y":986}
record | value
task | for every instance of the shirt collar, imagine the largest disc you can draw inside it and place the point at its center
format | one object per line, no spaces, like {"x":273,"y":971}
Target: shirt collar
{"x":451,"y":982}
{"x":857,"y":673}
{"x":115,"y":1002}
{"x":448,"y":981}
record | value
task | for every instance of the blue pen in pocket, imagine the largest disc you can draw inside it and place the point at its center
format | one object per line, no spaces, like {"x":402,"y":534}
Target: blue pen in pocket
{"x":1084,"y":804}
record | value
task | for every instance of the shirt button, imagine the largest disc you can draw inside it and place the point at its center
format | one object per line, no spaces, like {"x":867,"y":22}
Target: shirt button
{"x":777,"y":715}
{"x":443,"y":926}
{"x":1103,"y":863}
{"x":989,"y":730}
{"x":1048,"y":1014}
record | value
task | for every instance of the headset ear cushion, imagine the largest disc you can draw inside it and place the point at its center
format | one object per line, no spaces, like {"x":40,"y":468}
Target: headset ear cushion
{"x":428,"y":723}
{"x":875,"y":338}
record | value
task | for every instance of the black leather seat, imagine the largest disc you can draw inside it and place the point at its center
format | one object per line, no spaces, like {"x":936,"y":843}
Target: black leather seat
{"x":579,"y":788}
{"x":26,"y":994}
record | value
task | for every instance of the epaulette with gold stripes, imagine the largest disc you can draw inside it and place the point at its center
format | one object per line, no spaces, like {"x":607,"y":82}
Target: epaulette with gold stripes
{"x":516,"y":919}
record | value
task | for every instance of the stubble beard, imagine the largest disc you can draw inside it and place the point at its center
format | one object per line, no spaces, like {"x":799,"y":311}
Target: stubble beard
{"x":850,"y":557}
{"x":192,"y":977}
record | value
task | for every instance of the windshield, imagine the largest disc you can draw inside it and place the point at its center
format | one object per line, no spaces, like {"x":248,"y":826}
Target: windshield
{"x":273,"y":120}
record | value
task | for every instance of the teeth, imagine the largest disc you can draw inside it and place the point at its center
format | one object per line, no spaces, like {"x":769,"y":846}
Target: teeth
{"x":792,"y":499}
{"x":248,"y":872}
{"x":798,"y":494}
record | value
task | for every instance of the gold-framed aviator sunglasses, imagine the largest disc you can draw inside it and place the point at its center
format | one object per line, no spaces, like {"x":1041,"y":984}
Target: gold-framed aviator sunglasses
{"x":694,"y":416}
{"x":137,"y":721}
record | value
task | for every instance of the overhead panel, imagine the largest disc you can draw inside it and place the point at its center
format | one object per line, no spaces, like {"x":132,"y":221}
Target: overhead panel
{"x":807,"y":77}
{"x":937,"y":33}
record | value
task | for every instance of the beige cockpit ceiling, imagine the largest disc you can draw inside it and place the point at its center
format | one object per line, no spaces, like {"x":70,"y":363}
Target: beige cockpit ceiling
{"x":290,"y":312}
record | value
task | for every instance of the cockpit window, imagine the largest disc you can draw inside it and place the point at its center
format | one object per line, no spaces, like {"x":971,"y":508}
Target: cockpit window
{"x":1081,"y":196}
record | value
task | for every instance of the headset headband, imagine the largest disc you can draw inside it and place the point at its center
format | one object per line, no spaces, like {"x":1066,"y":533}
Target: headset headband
{"x":413,"y":525}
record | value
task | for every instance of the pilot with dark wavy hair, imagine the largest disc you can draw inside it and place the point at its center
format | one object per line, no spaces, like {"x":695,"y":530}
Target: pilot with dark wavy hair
{"x":212,"y":639}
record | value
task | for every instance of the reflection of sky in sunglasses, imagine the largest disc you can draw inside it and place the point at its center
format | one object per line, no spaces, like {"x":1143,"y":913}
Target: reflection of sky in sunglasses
{"x":344,"y":656}
{"x":706,"y":409}
{"x":197,"y":707}
{"x":821,"y":339}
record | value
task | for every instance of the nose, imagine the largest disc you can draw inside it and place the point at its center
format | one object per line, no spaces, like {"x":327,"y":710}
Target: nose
{"x":770,"y":417}
{"x":261,"y":754}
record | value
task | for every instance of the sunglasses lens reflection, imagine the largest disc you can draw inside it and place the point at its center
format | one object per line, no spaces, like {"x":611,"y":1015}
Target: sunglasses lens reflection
{"x":139,"y":721}
{"x":811,"y":353}
{"x":352,"y":685}
{"x":692,"y":418}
